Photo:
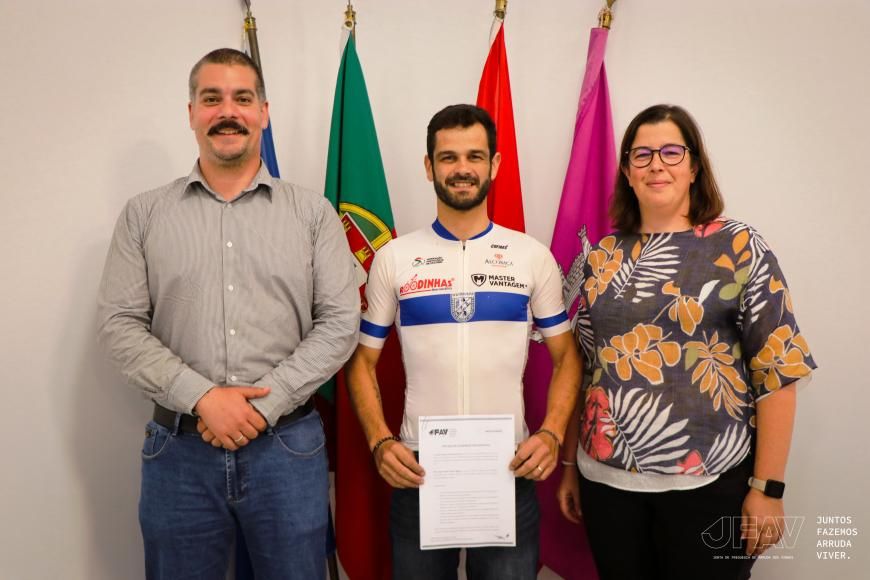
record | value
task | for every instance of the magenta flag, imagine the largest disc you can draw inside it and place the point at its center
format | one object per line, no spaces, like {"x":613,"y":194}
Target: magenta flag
{"x":585,"y":199}
{"x":592,"y":168}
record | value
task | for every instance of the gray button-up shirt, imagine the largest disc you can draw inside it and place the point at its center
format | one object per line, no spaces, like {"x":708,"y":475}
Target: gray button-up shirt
{"x":198,"y":292}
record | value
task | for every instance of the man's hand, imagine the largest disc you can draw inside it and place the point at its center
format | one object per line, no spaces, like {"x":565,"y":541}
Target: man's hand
{"x":536,"y":457}
{"x":397,"y":465}
{"x":227,"y":419}
{"x":762,"y":522}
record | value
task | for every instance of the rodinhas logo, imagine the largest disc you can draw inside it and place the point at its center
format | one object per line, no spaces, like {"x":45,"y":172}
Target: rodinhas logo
{"x":416,"y":284}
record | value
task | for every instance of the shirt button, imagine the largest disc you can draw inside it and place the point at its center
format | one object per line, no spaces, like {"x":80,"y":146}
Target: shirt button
{"x":232,"y":332}
{"x":229,"y":244}
{"x":230,"y":288}
{"x":233,"y":378}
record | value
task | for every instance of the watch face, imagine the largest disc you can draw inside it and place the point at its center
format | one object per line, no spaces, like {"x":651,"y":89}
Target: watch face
{"x":774,"y":488}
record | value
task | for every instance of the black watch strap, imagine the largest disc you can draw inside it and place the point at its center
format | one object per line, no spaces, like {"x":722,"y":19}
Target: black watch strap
{"x":769,"y":487}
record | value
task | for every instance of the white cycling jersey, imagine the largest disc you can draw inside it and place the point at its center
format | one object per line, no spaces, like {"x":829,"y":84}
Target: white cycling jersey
{"x":462,"y":310}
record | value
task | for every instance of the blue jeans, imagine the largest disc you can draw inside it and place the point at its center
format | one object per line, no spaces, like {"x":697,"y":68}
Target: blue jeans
{"x":496,"y":563}
{"x":276,"y":488}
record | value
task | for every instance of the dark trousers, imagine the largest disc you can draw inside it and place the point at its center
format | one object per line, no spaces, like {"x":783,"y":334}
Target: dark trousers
{"x":669,"y":535}
{"x":491,"y":563}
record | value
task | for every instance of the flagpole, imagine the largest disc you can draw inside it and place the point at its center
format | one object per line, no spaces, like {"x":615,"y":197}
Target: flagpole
{"x":605,"y":17}
{"x":251,"y":32}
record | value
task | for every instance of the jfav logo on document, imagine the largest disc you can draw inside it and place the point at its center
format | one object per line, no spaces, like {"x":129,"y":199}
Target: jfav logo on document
{"x":442,"y":432}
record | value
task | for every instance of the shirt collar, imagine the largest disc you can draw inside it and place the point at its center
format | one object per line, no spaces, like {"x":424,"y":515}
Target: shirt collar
{"x":443,"y":232}
{"x":262,"y":178}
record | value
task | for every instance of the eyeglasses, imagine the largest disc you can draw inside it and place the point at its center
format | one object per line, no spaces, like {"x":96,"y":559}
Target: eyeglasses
{"x":670,"y":154}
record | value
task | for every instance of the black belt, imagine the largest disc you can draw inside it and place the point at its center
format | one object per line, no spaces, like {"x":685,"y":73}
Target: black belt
{"x":166,"y":418}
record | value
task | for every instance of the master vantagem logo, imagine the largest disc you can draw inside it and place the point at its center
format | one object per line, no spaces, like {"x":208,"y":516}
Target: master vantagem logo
{"x":498,"y":280}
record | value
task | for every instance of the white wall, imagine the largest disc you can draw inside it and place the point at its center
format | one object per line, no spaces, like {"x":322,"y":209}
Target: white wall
{"x":92,"y":111}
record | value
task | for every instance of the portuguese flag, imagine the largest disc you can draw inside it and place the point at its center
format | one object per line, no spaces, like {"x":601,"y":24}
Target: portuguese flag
{"x":357,"y":187}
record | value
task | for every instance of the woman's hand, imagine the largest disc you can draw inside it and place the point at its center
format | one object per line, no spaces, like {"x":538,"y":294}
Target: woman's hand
{"x":568,"y":494}
{"x":763,"y":519}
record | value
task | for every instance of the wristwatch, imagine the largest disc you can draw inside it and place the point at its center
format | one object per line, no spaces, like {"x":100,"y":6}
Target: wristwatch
{"x":769,"y":487}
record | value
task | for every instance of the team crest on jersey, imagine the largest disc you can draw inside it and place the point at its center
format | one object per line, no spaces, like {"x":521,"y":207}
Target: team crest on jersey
{"x":462,"y":306}
{"x":478,"y":279}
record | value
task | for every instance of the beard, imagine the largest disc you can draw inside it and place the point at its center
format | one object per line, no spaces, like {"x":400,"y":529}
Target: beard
{"x":458,"y":203}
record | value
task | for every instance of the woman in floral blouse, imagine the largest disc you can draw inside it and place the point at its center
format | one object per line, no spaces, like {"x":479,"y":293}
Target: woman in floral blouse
{"x":692,"y":356}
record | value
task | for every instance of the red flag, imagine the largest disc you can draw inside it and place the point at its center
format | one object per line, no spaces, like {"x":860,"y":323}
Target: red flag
{"x":505,"y":200}
{"x":362,"y":503}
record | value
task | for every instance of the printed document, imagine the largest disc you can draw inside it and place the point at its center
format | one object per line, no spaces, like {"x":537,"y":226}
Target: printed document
{"x":467,"y":498}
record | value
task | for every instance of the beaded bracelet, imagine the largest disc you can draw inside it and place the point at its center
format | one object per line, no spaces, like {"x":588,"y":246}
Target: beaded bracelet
{"x":551,"y":434}
{"x":382,"y":441}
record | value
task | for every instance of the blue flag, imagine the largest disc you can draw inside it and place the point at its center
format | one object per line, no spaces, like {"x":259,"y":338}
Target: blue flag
{"x":267,"y":151}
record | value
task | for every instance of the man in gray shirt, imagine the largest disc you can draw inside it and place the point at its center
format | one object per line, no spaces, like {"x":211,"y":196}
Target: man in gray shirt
{"x":227,"y":298}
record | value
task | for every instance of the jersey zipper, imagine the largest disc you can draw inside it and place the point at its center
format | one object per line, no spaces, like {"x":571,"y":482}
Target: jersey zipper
{"x":464,"y":379}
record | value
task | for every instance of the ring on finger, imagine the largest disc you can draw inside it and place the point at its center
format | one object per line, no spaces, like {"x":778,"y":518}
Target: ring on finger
{"x":239,"y":439}
{"x":540,"y":469}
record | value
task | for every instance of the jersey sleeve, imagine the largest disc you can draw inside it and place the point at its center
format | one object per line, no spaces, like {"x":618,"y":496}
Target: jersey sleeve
{"x":776,"y":352}
{"x":381,"y":301}
{"x":547,"y":303}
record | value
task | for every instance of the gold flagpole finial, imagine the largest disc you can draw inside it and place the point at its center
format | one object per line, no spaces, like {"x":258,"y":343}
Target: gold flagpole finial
{"x":250,"y":21}
{"x":251,"y":33}
{"x":500,"y":9}
{"x":605,"y":17}
{"x":350,"y":17}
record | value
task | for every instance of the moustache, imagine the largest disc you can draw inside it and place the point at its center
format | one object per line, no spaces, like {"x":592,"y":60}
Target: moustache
{"x":227,"y":124}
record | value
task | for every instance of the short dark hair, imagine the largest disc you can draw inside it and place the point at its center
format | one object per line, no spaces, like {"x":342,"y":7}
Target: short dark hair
{"x":705,"y":201}
{"x":460,"y":116}
{"x":229,"y":56}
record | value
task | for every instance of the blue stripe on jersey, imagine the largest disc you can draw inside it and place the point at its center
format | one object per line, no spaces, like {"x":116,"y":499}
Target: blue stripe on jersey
{"x":488,"y":306}
{"x":551,"y":320}
{"x":372,"y":329}
{"x":445,"y":233}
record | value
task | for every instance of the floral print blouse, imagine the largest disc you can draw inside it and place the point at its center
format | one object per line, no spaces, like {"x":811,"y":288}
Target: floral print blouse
{"x":682,"y":333}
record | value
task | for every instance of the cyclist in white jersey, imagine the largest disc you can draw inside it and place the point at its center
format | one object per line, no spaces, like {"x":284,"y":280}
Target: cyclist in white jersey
{"x":463,"y":295}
